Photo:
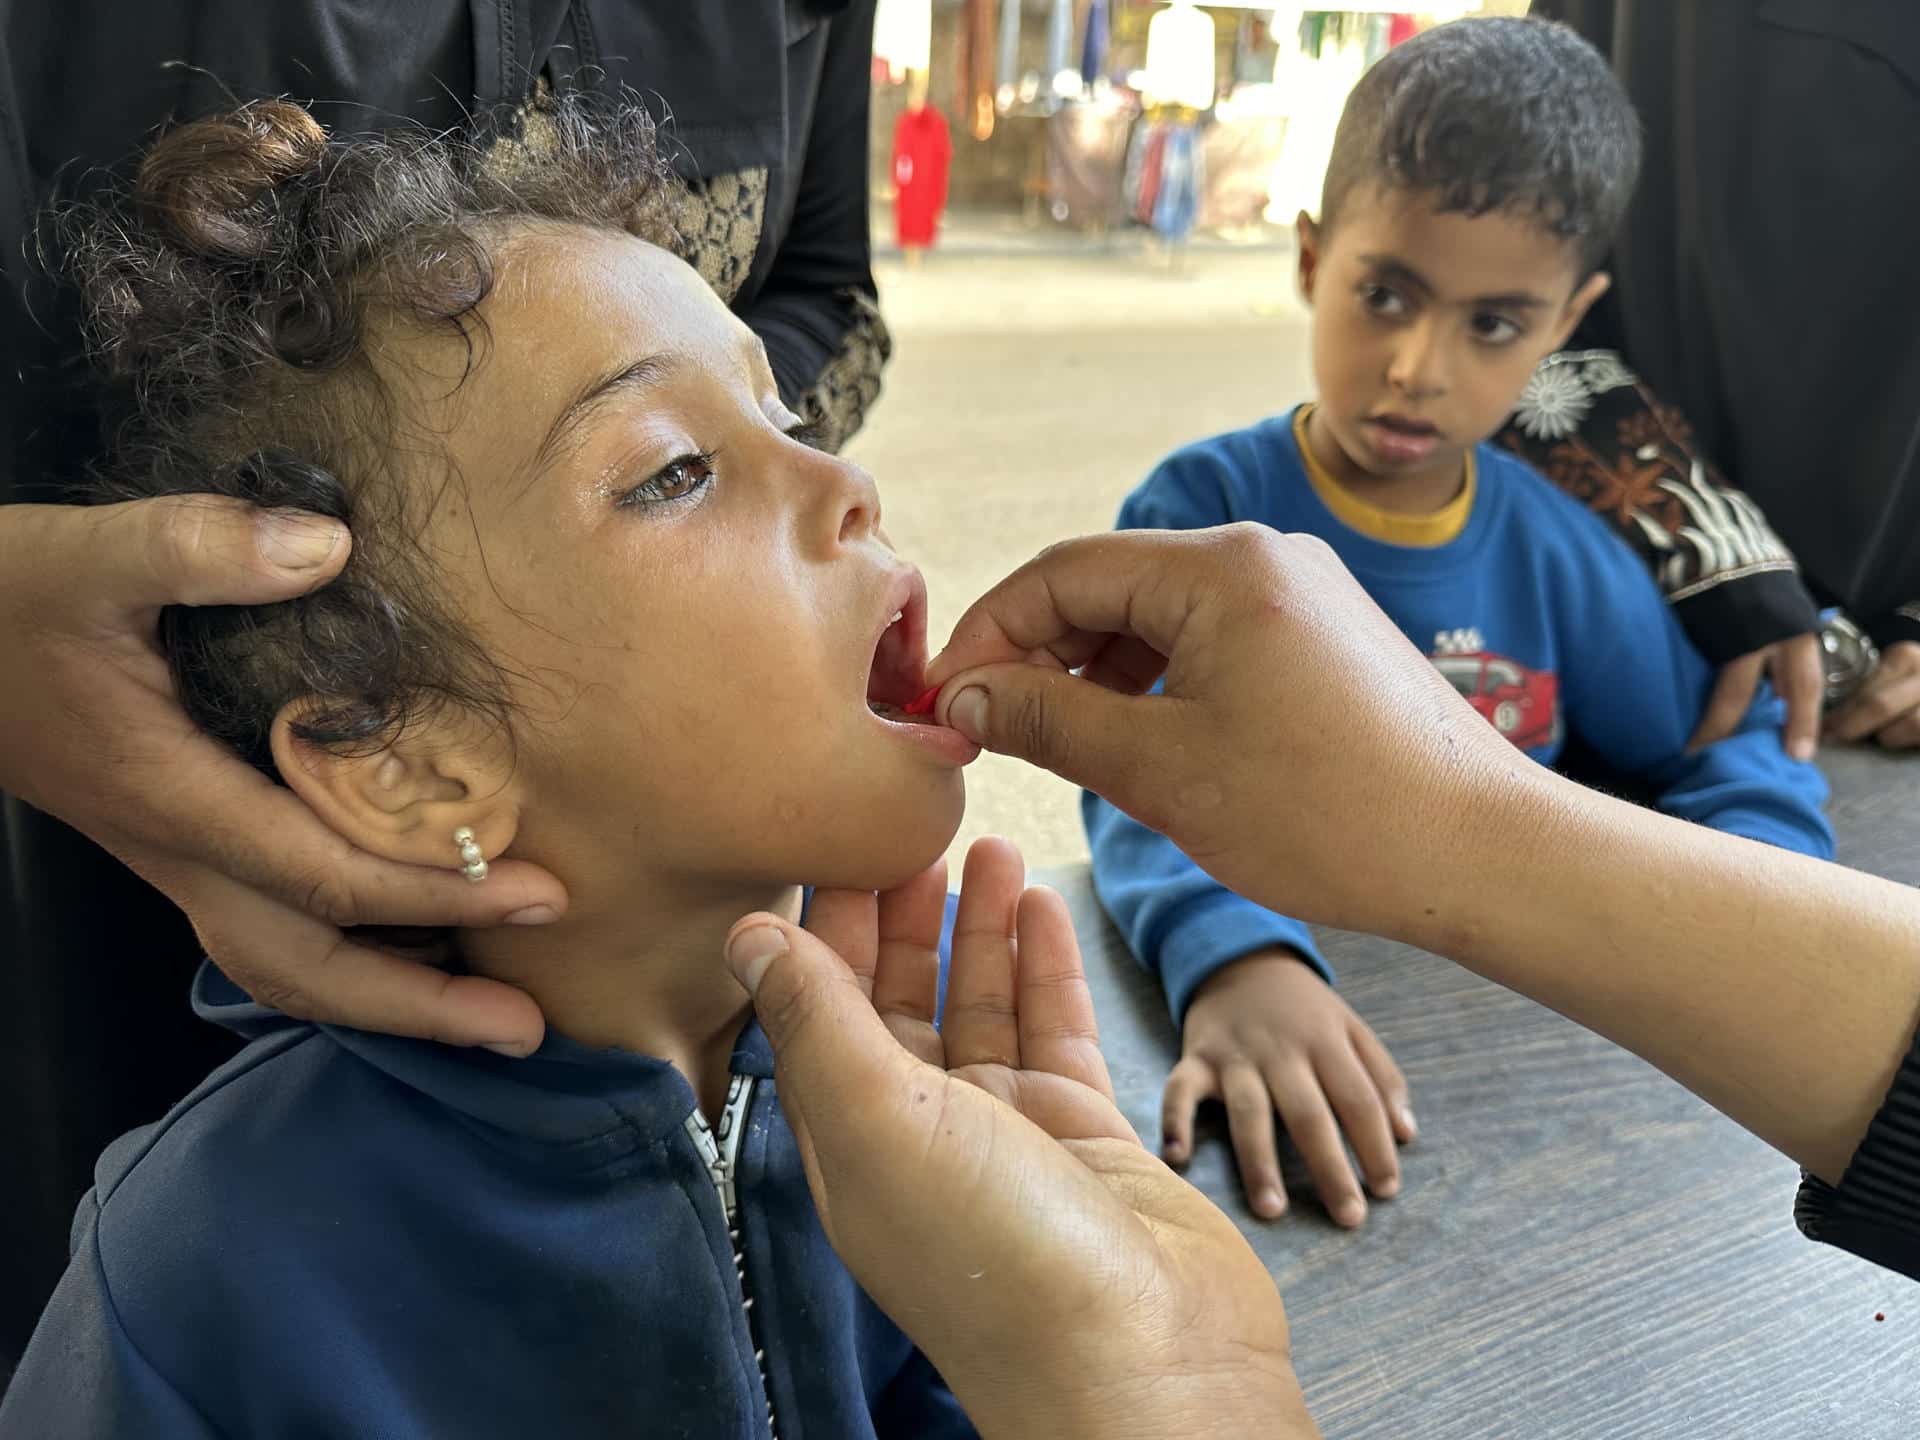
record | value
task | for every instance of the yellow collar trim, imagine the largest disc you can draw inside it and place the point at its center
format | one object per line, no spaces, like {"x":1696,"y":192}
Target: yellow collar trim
{"x":1437,"y":527}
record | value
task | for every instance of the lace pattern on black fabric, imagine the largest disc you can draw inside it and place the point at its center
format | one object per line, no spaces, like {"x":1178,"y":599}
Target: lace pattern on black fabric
{"x":838,"y":403}
{"x":724,"y":217}
{"x":721,"y":216}
{"x":1588,"y":424}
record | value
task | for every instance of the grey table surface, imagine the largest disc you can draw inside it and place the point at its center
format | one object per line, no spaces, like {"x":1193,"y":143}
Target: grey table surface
{"x":1580,"y":1248}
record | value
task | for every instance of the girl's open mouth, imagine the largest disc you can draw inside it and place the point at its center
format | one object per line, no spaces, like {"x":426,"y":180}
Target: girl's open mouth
{"x":898,"y":674}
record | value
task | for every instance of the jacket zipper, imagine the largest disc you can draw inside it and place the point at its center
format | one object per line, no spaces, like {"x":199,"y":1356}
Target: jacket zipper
{"x":721,"y":1152}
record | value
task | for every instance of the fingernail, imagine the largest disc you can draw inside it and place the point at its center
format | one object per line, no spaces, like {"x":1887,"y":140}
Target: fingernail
{"x":1350,"y":1211}
{"x":1406,"y":1119}
{"x":1802,"y":749}
{"x":1271,"y":1203}
{"x":968,"y":713}
{"x":534,"y":915}
{"x":1172,"y":1151}
{"x":295,"y":540}
{"x":751,"y":951}
{"x":512,"y":1049}
{"x":1387,"y":1188}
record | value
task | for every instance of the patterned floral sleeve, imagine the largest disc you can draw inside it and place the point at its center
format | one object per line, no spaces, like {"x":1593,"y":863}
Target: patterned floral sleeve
{"x":1590,"y":425}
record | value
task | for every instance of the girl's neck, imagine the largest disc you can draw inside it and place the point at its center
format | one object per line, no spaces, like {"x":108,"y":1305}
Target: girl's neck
{"x":642,"y":973}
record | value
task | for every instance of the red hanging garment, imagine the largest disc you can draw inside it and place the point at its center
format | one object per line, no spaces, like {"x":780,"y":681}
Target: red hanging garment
{"x":922,"y":154}
{"x":1404,"y":27}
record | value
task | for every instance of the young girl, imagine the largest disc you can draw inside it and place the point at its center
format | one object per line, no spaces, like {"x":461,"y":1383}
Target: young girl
{"x":606,"y":609}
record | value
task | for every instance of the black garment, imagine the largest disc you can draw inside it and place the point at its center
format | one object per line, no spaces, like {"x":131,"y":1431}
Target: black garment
{"x":1765,"y":273}
{"x":1875,"y":1210}
{"x":1595,"y":429}
{"x":770,"y":96}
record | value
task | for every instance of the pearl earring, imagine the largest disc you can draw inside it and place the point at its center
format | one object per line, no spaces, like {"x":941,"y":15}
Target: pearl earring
{"x":473,"y":864}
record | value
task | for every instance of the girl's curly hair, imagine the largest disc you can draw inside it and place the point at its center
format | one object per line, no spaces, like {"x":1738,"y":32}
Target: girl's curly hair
{"x":231,"y":286}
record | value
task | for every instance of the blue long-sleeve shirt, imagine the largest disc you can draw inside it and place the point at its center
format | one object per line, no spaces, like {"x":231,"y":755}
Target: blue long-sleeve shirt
{"x":348,"y":1234}
{"x":1542,"y":618}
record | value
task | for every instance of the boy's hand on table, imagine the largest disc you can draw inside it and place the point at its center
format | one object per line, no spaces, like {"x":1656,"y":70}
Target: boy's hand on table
{"x":1266,"y":1033}
{"x":1887,"y":707}
{"x":91,"y":732}
{"x":1797,"y":668}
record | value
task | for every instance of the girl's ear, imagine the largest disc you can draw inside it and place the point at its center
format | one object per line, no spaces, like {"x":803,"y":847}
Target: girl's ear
{"x":404,"y":800}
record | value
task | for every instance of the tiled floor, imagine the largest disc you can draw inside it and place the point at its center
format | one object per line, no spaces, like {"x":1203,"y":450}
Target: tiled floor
{"x":1026,"y":396}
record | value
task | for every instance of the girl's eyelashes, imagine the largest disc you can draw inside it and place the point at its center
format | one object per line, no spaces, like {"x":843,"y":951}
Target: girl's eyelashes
{"x":683,"y":478}
{"x":687,"y":477}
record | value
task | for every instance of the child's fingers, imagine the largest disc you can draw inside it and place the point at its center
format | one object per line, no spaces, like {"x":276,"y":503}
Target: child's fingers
{"x":980,"y":1025}
{"x":1388,"y":1079}
{"x":1363,"y":1115}
{"x":906,"y":977}
{"x":1309,"y":1119}
{"x":1731,"y":699}
{"x":1799,"y":675}
{"x":1057,"y":1029}
{"x":848,"y":922}
{"x":1190,"y":1082}
{"x":1250,"y":1122}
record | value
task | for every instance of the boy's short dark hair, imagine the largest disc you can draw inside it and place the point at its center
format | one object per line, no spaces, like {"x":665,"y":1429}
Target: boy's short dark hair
{"x":1495,"y":114}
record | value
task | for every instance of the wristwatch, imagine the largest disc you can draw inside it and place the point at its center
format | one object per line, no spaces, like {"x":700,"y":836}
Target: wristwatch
{"x":1848,"y":656}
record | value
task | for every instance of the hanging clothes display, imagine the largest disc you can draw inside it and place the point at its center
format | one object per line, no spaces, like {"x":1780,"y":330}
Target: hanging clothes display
{"x":1059,"y":42}
{"x":1379,"y":37}
{"x":922,"y":156}
{"x":1176,"y":205}
{"x":1088,"y":148}
{"x":1093,"y":45}
{"x":1006,"y":73}
{"x":1143,"y":169}
{"x":1314,"y":77}
{"x":1165,"y":174}
{"x":976,"y":55}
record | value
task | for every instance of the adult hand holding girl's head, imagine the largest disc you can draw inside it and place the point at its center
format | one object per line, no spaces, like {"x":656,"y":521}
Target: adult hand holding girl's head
{"x":90,"y":732}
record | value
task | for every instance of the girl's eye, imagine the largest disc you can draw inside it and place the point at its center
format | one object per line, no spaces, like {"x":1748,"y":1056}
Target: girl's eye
{"x":679,"y":479}
{"x":1495,"y":329}
{"x":1382,"y":300}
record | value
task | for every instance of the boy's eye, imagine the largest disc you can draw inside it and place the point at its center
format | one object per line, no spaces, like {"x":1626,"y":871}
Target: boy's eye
{"x":1495,"y":329}
{"x":1382,"y":300}
{"x":678,"y":479}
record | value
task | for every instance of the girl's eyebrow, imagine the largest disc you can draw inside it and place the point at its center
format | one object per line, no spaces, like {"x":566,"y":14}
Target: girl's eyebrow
{"x":646,"y":373}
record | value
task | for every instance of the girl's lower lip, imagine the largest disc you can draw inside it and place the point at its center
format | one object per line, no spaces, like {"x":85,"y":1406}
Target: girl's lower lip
{"x":944,"y":743}
{"x":1401,"y":445}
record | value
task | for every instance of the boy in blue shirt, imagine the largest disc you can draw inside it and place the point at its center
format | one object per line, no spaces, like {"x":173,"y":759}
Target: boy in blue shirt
{"x":1478,"y":175}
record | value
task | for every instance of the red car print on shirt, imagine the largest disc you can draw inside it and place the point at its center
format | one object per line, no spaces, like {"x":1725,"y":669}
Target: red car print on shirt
{"x":1522,"y":704}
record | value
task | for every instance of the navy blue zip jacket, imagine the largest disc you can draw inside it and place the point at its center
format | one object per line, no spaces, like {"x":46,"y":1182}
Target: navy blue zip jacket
{"x":356,"y":1235}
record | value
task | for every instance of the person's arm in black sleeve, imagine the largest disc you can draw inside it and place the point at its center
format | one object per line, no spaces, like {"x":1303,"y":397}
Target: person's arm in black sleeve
{"x":818,"y":311}
{"x":1875,"y":1209}
{"x":1591,"y":426}
{"x":1900,"y":623}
